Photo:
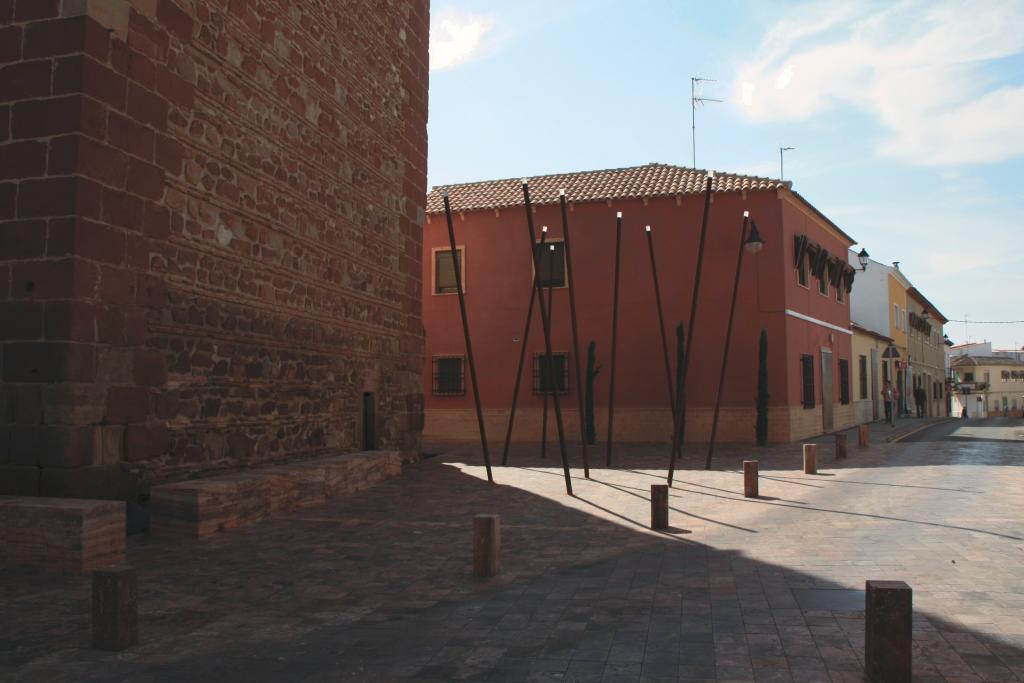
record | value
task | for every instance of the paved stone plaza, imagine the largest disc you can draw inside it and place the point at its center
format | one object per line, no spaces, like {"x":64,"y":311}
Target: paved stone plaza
{"x":378,"y":586}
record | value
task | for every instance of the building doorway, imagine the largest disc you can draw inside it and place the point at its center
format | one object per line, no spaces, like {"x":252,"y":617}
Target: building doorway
{"x":369,"y":422}
{"x":826,"y":390}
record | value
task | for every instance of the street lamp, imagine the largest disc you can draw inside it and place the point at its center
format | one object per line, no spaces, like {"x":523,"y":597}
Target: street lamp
{"x":863,"y":257}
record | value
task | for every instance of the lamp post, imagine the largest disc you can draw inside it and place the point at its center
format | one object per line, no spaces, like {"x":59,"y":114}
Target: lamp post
{"x":753,"y":243}
{"x":863,"y":257}
{"x":781,"y":150}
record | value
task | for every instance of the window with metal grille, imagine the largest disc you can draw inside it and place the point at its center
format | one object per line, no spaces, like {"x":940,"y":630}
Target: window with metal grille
{"x":444,"y":271}
{"x":807,"y":370}
{"x":552,"y":264}
{"x":449,"y":376}
{"x":844,"y":381}
{"x":862,"y":369}
{"x":542,"y":381}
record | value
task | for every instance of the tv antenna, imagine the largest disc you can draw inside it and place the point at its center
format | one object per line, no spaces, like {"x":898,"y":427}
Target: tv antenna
{"x":694,"y":101}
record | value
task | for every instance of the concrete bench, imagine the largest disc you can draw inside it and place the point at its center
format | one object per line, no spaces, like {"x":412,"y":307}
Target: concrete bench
{"x":199,"y":507}
{"x":68,"y":535}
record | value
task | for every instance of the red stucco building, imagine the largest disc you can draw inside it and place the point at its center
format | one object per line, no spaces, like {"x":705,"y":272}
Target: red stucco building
{"x":795,"y":288}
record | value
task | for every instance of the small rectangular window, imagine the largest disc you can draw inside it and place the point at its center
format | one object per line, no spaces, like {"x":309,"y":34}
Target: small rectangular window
{"x":449,"y":376}
{"x":844,"y":381}
{"x":862,"y":370}
{"x":823,"y":282}
{"x":552,"y":264}
{"x":968,"y":377}
{"x":542,"y":381}
{"x":807,"y":371}
{"x":444,"y":271}
{"x":801,"y":272}
{"x":896,"y":314}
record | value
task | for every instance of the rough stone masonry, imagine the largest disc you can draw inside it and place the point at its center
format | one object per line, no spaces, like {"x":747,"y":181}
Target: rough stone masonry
{"x":210,"y":235}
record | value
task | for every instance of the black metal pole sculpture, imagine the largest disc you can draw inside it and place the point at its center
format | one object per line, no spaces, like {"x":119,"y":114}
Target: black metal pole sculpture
{"x":681,"y":403}
{"x":522,"y":353}
{"x":661,"y":325}
{"x":575,"y":335}
{"x":615,"y":331}
{"x":546,"y":325}
{"x":457,"y":267}
{"x":544,"y":419}
{"x":728,"y":337}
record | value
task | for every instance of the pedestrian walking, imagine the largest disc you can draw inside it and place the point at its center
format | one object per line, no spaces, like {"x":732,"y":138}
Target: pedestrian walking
{"x":920,"y":399}
{"x":887,"y":400}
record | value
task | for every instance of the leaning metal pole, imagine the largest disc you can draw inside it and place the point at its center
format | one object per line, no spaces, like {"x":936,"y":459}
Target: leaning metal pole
{"x":522,"y":355}
{"x":546,"y":325}
{"x":457,"y":267}
{"x":575,"y":335}
{"x":681,"y":403}
{"x":728,"y":337}
{"x":661,"y":324}
{"x":615,"y":330}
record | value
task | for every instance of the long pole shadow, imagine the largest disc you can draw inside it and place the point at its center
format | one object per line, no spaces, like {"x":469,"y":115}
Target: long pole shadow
{"x":636,"y":495}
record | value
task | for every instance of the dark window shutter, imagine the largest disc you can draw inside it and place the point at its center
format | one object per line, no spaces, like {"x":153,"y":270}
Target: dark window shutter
{"x":863,"y":369}
{"x":552,"y":264}
{"x":807,"y":367}
{"x":541,"y":378}
{"x":449,"y":378}
{"x":844,"y":381}
{"x":444,"y":272}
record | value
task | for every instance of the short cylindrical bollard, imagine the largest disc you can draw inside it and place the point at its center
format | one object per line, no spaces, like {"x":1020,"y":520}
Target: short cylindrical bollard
{"x":863,"y":436}
{"x":810,"y":458}
{"x":115,"y":608}
{"x":659,"y":506}
{"x":888,"y":626}
{"x":840,"y":446}
{"x":486,"y":545}
{"x":750,"y":478}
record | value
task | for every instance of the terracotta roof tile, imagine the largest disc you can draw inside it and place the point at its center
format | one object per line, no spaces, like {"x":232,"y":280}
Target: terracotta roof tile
{"x":651,"y":180}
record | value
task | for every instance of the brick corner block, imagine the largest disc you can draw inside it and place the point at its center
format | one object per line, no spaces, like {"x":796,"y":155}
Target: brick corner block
{"x":115,"y":608}
{"x":888,"y":631}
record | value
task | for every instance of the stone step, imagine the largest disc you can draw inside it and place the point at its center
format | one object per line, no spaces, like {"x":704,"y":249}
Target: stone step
{"x":67,"y":535}
{"x":199,"y":507}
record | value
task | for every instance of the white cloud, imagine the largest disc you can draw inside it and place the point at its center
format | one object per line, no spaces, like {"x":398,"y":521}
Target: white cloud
{"x":455,"y":40}
{"x":918,"y":67}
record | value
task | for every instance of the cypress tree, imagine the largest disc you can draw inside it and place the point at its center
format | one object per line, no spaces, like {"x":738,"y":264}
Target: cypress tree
{"x":762,"y":390}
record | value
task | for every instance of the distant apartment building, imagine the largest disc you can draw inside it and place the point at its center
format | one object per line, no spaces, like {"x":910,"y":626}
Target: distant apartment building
{"x":795,"y":288}
{"x":897,"y":338}
{"x":997,"y":380}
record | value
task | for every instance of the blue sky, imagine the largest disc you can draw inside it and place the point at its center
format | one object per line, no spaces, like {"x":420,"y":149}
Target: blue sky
{"x":907,"y":117}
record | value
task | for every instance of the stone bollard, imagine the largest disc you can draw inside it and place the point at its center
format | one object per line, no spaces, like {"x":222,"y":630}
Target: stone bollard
{"x":840,"y":446}
{"x":115,"y":608}
{"x":888,"y":626}
{"x":486,"y":545}
{"x":863,"y":436}
{"x":750,"y":478}
{"x":659,"y":506}
{"x":810,"y":458}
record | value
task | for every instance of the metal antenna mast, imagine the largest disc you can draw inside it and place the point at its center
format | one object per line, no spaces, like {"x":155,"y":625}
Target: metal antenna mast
{"x":694,"y":101}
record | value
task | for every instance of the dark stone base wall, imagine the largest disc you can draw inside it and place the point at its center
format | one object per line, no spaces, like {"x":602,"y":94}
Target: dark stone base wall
{"x":210,"y":235}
